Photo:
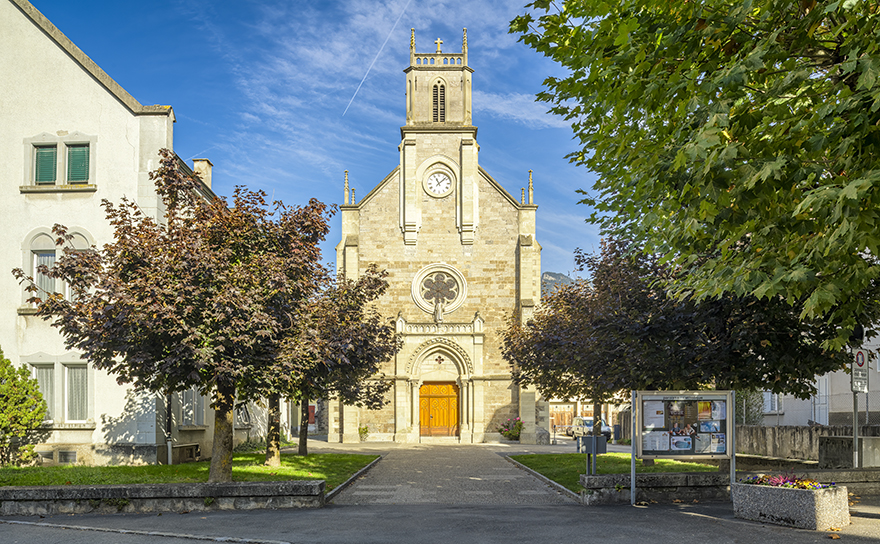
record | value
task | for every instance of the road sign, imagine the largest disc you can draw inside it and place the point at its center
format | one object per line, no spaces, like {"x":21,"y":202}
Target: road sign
{"x":860,"y":371}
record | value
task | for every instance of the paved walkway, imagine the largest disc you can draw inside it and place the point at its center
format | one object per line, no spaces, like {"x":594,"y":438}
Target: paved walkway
{"x":441,"y":494}
{"x":448,"y":474}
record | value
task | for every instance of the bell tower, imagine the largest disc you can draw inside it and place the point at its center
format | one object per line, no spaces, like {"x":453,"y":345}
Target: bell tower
{"x":438,"y":86}
{"x":438,"y":149}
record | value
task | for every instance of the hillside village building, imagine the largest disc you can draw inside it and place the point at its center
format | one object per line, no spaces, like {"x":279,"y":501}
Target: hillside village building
{"x":462,"y":257}
{"x":70,"y":136}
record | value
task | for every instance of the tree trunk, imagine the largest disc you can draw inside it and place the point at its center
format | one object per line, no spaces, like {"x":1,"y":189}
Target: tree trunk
{"x":273,"y":432}
{"x":304,"y":426}
{"x":597,"y":419}
{"x":221,"y":451}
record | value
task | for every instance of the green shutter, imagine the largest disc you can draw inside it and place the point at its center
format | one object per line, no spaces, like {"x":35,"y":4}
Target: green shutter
{"x":44,"y":164}
{"x":78,"y":163}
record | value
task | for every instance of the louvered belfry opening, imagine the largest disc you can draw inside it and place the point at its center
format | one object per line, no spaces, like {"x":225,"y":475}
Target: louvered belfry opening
{"x":439,"y":103}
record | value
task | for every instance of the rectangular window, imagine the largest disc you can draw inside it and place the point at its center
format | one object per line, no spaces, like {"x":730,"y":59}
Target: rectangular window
{"x":45,"y":376}
{"x":78,"y":163}
{"x":772,"y":403}
{"x":45,"y":164}
{"x":77,"y":393}
{"x":45,"y":282}
{"x":66,"y":457}
{"x":192,"y":408}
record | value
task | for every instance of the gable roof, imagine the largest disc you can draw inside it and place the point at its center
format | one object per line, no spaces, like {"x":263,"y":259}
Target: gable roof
{"x":86,"y":63}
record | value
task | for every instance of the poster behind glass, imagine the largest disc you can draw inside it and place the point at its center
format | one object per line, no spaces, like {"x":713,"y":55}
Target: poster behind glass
{"x":684,"y":424}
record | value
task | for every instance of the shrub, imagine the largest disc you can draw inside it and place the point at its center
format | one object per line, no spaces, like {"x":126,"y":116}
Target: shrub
{"x":511,"y":429}
{"x":363,"y":432}
{"x":22,"y":411}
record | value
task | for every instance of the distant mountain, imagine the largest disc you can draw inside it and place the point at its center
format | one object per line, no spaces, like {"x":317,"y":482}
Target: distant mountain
{"x":550,"y":281}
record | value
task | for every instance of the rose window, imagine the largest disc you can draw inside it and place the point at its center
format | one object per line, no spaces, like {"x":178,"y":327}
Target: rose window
{"x":439,"y":287}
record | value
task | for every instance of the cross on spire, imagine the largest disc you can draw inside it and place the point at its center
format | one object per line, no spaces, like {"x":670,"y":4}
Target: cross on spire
{"x":438,"y":41}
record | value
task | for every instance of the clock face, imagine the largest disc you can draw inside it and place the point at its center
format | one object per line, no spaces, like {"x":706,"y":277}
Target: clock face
{"x":439,"y":183}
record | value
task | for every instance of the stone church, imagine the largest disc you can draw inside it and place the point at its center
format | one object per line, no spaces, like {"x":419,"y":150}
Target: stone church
{"x":462,"y":257}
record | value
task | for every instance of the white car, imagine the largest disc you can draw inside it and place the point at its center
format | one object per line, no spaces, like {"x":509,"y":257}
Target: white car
{"x":583,"y":426}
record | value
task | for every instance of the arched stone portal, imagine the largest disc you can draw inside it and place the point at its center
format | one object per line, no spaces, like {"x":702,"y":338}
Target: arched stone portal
{"x":441,"y":388}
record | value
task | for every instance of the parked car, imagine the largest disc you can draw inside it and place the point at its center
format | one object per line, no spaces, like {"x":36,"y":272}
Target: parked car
{"x":582,"y":426}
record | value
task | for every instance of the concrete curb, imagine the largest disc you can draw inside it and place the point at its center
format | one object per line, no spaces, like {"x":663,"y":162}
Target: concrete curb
{"x":338,"y":489}
{"x":147,"y":533}
{"x":559,"y":487}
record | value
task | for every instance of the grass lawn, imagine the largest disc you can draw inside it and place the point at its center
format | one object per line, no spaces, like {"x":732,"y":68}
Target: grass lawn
{"x":566,"y":468}
{"x":335,"y":468}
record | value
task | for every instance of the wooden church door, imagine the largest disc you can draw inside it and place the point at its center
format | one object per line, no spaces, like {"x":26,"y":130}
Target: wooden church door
{"x":438,"y":409}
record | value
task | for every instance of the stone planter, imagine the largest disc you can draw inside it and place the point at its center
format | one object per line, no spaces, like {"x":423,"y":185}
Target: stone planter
{"x":816,"y":509}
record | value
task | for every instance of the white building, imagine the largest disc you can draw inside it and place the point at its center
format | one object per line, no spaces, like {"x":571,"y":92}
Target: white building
{"x":70,"y":136}
{"x":833,"y":402}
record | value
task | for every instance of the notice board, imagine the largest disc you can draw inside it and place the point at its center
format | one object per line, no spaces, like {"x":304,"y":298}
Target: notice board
{"x":684,"y":424}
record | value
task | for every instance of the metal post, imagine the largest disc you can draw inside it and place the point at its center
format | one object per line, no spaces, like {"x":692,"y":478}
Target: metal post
{"x":595,"y":450}
{"x":168,"y":440}
{"x":632,"y":466}
{"x":732,"y":441}
{"x":855,"y":430}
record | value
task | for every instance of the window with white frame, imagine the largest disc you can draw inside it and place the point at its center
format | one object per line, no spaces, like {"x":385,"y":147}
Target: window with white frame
{"x":772,"y":403}
{"x":242,"y":415}
{"x":42,"y":248}
{"x":64,"y":161}
{"x":45,"y":375}
{"x":77,"y":393}
{"x":41,"y":251}
{"x":66,"y":386}
{"x":192,"y":407}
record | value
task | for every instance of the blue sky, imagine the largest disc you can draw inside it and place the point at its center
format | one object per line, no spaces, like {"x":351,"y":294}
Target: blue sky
{"x":260,"y":89}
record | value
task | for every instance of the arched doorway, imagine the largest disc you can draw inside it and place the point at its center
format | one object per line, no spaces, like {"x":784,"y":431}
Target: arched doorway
{"x":439,"y":374}
{"x":438,"y":409}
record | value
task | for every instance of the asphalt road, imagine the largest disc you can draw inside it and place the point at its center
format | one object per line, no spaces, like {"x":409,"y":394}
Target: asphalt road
{"x":442,"y":494}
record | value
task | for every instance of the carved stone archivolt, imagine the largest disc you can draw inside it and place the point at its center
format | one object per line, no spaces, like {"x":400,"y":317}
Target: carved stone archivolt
{"x":458,"y":355}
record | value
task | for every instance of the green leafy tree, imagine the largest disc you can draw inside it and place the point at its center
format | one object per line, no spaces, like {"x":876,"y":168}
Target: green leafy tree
{"x":22,"y":411}
{"x":198,"y":300}
{"x":623,"y":331}
{"x":738,"y":139}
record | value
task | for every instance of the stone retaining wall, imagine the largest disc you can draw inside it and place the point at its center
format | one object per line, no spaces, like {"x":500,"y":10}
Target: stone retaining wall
{"x":791,"y":442}
{"x":75,"y":499}
{"x":690,"y":486}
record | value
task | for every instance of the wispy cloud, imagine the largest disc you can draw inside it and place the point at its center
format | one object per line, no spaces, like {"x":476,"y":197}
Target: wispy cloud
{"x":518,"y":107}
{"x":294,"y":67}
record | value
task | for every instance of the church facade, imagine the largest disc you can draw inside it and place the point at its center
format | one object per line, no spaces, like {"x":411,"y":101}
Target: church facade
{"x":462,"y":259}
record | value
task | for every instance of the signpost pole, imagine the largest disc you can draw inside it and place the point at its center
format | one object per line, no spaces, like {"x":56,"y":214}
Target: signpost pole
{"x":859,"y":382}
{"x":855,"y":430}
{"x":632,"y":466}
{"x":732,"y":440}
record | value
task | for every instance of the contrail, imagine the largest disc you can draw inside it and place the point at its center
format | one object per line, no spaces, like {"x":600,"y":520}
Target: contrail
{"x":377,"y":56}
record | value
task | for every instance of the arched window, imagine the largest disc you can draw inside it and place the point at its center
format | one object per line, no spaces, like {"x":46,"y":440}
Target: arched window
{"x":439,"y":103}
{"x":40,"y":250}
{"x":43,"y":254}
